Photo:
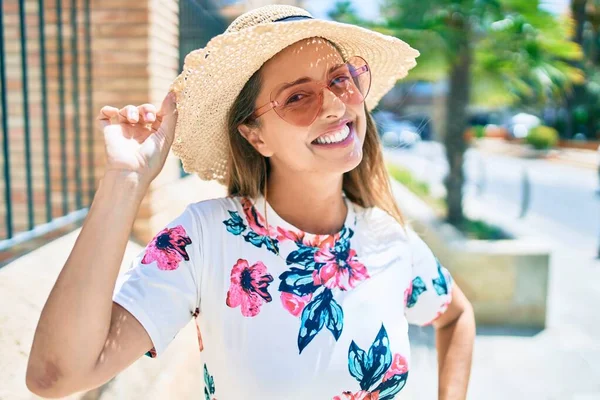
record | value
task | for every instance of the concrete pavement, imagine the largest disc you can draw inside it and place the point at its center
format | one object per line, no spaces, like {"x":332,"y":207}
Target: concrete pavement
{"x":25,"y":284}
{"x":561,"y":362}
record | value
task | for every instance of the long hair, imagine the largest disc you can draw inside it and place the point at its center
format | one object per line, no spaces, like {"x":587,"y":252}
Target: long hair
{"x":367,"y":185}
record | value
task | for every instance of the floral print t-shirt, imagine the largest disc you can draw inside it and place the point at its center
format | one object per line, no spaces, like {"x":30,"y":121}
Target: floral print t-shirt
{"x":285,"y":314}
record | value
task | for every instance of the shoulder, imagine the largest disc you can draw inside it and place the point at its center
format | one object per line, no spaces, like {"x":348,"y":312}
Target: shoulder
{"x":377,"y":222}
{"x":379,"y":232}
{"x":213,"y":210}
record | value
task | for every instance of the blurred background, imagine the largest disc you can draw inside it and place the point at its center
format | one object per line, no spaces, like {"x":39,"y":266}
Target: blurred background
{"x":492,"y":143}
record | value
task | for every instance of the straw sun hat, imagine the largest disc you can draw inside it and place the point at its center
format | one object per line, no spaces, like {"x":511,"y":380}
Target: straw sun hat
{"x":213,"y":76}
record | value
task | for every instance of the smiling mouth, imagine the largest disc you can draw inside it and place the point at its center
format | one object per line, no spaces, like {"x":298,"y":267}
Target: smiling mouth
{"x":335,"y":137}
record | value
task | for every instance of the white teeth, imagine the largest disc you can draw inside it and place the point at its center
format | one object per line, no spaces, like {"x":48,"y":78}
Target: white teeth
{"x":335,"y":137}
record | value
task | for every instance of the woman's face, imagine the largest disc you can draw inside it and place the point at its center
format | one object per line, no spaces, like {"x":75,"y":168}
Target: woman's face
{"x":294,"y":148}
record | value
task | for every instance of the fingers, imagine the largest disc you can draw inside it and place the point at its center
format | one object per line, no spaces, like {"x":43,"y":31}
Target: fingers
{"x":167,"y":113}
{"x":143,"y":114}
{"x":168,"y":105}
{"x":147,"y":113}
{"x":129,"y":114}
{"x":107,"y":113}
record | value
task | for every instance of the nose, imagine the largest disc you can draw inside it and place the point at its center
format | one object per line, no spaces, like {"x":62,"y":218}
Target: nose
{"x":333,"y":107}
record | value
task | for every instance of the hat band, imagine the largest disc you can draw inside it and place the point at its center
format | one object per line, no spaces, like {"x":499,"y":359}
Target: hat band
{"x":293,"y":18}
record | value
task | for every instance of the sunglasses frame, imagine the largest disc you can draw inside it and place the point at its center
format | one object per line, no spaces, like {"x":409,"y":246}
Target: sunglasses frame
{"x":258,"y":112}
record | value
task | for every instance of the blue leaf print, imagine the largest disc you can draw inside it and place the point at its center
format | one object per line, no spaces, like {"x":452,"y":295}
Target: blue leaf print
{"x":342,"y":246}
{"x":313,"y":318}
{"x":390,"y":388}
{"x":297,"y":281}
{"x":259,"y":240}
{"x":209,"y":384}
{"x":356,"y":361}
{"x":441,"y":284}
{"x":335,"y":319}
{"x":235,"y":224}
{"x":346,"y":234}
{"x":378,"y":360}
{"x":418,"y":287}
{"x":377,"y":371}
{"x":304,"y":256}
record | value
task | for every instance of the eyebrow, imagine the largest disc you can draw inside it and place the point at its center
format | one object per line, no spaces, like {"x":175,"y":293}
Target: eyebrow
{"x":306,"y":79}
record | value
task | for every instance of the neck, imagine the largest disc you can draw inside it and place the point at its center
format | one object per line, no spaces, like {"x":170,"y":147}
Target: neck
{"x":313,"y":204}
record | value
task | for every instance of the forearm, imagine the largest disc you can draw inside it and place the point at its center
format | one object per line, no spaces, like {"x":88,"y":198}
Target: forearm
{"x":76,"y":318}
{"x":454,"y":344}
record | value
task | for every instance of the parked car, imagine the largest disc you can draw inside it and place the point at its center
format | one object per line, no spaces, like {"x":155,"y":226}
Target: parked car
{"x":396,"y":132}
{"x":402,"y":134}
{"x":521,"y":124}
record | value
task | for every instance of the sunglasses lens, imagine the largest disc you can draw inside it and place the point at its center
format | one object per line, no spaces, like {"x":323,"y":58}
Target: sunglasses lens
{"x":300,"y":104}
{"x":361,"y":76}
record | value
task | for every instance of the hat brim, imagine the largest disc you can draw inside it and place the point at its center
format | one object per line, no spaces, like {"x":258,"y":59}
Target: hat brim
{"x":211,"y":81}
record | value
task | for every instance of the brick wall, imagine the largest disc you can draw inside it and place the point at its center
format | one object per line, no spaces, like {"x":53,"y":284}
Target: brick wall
{"x":73,"y":172}
{"x":135,"y":58}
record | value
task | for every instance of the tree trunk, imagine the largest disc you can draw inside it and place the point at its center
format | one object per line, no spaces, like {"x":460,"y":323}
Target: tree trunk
{"x":456,"y":125}
{"x":578,"y":11}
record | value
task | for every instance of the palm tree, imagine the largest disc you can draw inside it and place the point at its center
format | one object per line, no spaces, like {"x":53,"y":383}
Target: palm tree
{"x":583,"y":103}
{"x":491,"y":52}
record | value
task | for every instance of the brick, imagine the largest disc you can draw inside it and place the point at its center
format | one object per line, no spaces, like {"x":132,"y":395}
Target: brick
{"x":119,"y":16}
{"x":126,"y":31}
{"x":128,"y":57}
{"x":126,"y":44}
{"x":121,"y":5}
{"x":135,"y":58}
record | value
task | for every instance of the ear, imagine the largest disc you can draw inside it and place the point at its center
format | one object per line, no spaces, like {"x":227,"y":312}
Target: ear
{"x":254,"y":137}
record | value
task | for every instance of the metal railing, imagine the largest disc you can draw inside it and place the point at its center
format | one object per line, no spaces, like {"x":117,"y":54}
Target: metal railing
{"x":39,"y":197}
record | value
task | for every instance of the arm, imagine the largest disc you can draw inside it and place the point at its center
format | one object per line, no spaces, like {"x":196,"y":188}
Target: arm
{"x":70,"y":342}
{"x":83,"y":339}
{"x":455,"y":335}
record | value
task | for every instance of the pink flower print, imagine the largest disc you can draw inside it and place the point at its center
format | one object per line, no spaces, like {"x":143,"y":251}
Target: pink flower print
{"x":341,"y":269}
{"x":294,"y":303}
{"x":362,"y":395}
{"x":256,"y":221}
{"x":168,"y":248}
{"x":248,"y":287}
{"x":399,"y":366}
{"x":307,"y":240}
{"x":407,"y":293}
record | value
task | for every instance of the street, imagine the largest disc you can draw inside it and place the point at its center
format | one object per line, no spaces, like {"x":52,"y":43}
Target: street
{"x":562,"y":361}
{"x":564,"y":203}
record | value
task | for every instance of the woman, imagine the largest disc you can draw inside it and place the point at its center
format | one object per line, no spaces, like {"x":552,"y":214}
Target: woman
{"x":304,"y":279}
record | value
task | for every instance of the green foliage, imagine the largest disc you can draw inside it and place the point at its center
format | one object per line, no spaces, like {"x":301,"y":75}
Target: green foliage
{"x":405,"y":177}
{"x":481,"y":230}
{"x":479,"y":131}
{"x":542,"y":137}
{"x":521,"y":52}
{"x":343,"y":11}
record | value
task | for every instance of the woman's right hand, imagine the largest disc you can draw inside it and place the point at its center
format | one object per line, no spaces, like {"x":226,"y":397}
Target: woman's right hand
{"x":138,"y":139}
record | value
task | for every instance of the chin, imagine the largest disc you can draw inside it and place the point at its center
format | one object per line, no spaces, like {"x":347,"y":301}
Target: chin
{"x":350,"y":162}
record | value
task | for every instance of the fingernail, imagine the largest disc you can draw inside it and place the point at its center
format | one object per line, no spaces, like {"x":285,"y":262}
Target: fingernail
{"x":131,"y":115}
{"x":149,"y":116}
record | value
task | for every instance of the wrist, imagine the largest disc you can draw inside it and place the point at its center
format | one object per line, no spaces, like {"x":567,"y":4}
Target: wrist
{"x":121,"y":181}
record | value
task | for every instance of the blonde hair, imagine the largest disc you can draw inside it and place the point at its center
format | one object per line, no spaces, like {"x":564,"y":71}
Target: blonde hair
{"x":367,"y":185}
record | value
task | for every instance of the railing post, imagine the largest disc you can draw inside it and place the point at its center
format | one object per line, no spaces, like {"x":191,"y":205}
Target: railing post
{"x":5,"y":135}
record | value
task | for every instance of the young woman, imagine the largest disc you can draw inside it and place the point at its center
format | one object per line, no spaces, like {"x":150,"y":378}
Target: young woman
{"x":304,"y":279}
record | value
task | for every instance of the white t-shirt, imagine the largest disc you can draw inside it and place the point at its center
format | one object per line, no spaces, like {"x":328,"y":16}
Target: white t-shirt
{"x":285,"y":314}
